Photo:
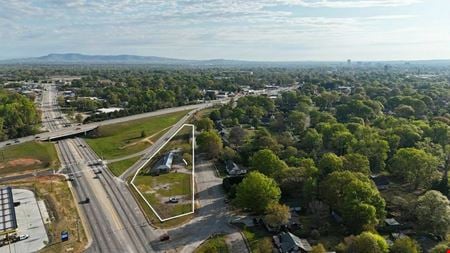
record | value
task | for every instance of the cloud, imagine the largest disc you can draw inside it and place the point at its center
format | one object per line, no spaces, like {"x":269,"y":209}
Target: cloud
{"x":350,"y":3}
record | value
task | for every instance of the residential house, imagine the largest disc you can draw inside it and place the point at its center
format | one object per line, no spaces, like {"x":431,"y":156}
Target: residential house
{"x":233,"y":169}
{"x":287,"y":242}
{"x":165,"y":164}
{"x":381,"y":181}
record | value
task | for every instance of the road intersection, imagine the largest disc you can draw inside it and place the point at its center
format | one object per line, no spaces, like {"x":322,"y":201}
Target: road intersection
{"x":112,"y":217}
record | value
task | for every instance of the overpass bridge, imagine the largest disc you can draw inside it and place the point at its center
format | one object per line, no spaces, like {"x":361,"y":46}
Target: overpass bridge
{"x":85,"y":128}
{"x":53,"y":135}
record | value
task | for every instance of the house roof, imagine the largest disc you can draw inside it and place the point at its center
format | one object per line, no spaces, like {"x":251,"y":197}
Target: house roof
{"x":380,"y":180}
{"x":288,"y":242}
{"x":8,"y":222}
{"x":391,"y":222}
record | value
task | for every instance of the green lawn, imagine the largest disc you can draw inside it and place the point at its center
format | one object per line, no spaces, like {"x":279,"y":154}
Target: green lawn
{"x":215,"y":244}
{"x":28,"y":156}
{"x":111,"y":141}
{"x":117,"y":168}
{"x":158,"y":189}
{"x":259,"y":239}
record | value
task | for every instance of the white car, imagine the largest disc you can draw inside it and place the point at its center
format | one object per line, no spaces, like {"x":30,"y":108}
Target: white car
{"x":23,"y":237}
{"x":173,"y":200}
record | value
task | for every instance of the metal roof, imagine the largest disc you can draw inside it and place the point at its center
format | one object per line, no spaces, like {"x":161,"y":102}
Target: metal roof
{"x":8,"y":222}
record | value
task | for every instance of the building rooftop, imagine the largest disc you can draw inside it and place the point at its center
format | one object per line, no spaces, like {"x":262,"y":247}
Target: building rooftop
{"x":8,"y":222}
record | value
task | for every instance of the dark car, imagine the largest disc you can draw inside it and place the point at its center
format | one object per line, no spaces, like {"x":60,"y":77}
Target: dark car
{"x":37,"y":137}
{"x":7,"y":144}
{"x":86,"y":201}
{"x":16,"y":141}
{"x":164,"y":237}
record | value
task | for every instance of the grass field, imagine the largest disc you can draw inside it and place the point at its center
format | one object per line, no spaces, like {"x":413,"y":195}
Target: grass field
{"x":60,"y":205}
{"x":118,"y":140}
{"x":158,"y":189}
{"x":152,"y":217}
{"x":117,"y":168}
{"x":214,"y":244}
{"x":28,"y":156}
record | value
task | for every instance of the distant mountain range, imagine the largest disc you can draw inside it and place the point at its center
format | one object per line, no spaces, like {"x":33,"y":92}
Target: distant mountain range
{"x":71,"y":58}
{"x":115,"y":59}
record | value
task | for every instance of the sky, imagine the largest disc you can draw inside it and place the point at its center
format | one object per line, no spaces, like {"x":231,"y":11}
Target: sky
{"x":262,"y":30}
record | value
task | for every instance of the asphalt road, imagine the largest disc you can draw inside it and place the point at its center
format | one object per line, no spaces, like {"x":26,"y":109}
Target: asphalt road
{"x":114,"y":213}
{"x":112,"y":216}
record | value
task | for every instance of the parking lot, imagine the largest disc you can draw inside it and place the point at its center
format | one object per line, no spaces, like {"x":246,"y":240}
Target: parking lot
{"x":30,"y":222}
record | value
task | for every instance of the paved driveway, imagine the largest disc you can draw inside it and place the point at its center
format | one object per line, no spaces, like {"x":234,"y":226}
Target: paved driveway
{"x":211,"y":217}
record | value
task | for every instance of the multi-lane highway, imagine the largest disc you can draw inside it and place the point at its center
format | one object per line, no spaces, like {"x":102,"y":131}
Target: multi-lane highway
{"x":110,"y":214}
{"x":113,"y":217}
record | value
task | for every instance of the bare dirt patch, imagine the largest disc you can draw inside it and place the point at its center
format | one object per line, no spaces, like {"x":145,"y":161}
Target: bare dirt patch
{"x":22,"y":162}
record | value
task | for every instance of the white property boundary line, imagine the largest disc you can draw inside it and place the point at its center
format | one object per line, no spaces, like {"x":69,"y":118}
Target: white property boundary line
{"x":193,"y":175}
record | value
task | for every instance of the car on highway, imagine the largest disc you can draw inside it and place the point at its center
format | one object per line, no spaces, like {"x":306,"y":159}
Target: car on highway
{"x":85,"y":201}
{"x":16,"y":141}
{"x":78,"y":128}
{"x":37,"y":137}
{"x":7,"y":144}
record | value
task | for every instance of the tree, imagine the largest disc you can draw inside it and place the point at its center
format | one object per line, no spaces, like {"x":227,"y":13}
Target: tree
{"x":433,"y":213}
{"x":414,"y":166}
{"x":319,"y":248}
{"x":341,"y":141}
{"x":277,"y":215}
{"x":257,"y":192}
{"x":440,"y":248}
{"x":204,"y":124}
{"x":210,"y":143}
{"x":373,"y":146}
{"x":297,"y":121}
{"x":237,"y":135}
{"x":354,"y":196}
{"x":368,"y":243}
{"x":405,"y":245}
{"x":356,"y":162}
{"x":404,"y":111}
{"x":311,"y":141}
{"x":330,"y":162}
{"x":268,"y":163}
{"x":229,"y":154}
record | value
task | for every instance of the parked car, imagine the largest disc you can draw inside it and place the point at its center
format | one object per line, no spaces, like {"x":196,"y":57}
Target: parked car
{"x":164,"y":237}
{"x":23,"y":237}
{"x":173,"y":200}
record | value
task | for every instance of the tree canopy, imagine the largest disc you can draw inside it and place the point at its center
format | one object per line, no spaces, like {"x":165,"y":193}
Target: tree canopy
{"x":257,"y":192}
